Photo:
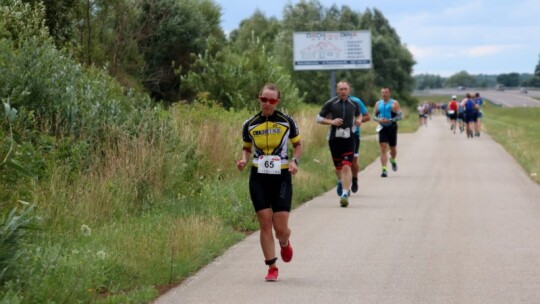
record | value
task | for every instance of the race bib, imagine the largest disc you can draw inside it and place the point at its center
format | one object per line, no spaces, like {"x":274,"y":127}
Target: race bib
{"x":343,"y":133}
{"x":269,"y":164}
{"x":379,"y":128}
{"x":451,"y":112}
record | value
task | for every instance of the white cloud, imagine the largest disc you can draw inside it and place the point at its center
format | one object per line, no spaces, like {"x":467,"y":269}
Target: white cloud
{"x":470,"y":8}
{"x":446,"y":52}
{"x":486,"y":50}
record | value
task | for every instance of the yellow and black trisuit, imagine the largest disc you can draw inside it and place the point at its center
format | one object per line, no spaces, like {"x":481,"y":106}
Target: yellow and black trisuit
{"x":270,"y":183}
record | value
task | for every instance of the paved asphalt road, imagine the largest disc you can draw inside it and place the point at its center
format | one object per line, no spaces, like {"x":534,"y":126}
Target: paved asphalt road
{"x":458,"y":223}
{"x":508,"y":98}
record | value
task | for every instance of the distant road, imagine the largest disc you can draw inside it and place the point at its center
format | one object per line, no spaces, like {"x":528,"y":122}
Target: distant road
{"x":508,"y":98}
{"x":458,"y":223}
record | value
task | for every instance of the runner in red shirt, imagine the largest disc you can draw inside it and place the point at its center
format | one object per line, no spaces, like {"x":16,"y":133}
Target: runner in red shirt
{"x":452,"y":111}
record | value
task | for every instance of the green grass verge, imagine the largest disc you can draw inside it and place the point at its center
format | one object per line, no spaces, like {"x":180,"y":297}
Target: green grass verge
{"x":518,"y":131}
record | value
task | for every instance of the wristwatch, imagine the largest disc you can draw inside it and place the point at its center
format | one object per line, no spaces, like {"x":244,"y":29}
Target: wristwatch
{"x":295,"y":160}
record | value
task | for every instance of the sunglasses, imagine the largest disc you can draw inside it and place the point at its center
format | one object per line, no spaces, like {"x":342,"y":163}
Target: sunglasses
{"x":272,"y":101}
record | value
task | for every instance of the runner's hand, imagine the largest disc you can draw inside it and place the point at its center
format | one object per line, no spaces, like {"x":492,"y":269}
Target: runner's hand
{"x":240,"y":164}
{"x":293,"y":168}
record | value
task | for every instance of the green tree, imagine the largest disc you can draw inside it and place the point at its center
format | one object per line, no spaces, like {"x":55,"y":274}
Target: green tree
{"x":509,"y":80}
{"x":59,"y":18}
{"x":428,"y":81}
{"x":462,"y":78}
{"x":233,"y":80}
{"x":304,"y":16}
{"x":533,"y":82}
{"x":118,"y":41}
{"x":265,"y":29}
{"x":172,"y":30}
{"x":391,"y":59}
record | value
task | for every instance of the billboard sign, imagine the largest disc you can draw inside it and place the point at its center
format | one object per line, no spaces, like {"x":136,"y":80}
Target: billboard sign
{"x":332,"y":50}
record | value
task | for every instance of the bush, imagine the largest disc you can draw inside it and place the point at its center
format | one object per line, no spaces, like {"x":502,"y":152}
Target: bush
{"x":235,"y":80}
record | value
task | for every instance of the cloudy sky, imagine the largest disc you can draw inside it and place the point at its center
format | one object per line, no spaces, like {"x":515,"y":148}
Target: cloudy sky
{"x":445,"y":37}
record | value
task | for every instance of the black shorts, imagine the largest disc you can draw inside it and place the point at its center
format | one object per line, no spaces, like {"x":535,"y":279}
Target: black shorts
{"x":388,"y":134}
{"x":452,"y":116}
{"x":342,"y":150}
{"x":271,"y":190}
{"x":471,"y":116}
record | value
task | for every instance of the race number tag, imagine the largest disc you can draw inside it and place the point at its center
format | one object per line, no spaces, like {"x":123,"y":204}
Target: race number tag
{"x":343,"y":133}
{"x":269,"y":164}
{"x":451,"y":112}
{"x":379,"y":128}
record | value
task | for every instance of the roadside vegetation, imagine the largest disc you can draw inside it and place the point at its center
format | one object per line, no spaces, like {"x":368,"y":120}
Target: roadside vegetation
{"x":119,"y":135}
{"x":518,"y":131}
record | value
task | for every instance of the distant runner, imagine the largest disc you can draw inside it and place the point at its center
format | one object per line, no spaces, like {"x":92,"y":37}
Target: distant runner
{"x":452,"y":111}
{"x":471,"y":114}
{"x":480,"y":102}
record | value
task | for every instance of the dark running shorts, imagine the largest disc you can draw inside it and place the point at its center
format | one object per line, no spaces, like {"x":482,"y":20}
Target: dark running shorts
{"x":471,"y":116}
{"x":388,"y":135}
{"x":342,"y":150}
{"x":271,"y":191}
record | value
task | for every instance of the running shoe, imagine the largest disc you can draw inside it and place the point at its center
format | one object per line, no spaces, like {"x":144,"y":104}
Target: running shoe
{"x":344,"y":201}
{"x":272,"y":274}
{"x":384,"y":173}
{"x":339,"y":188}
{"x":354,"y":186}
{"x":286,"y":252}
{"x":394,"y":166}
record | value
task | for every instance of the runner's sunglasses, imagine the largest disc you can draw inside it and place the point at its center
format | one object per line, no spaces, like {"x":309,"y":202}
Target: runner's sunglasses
{"x":272,"y":101}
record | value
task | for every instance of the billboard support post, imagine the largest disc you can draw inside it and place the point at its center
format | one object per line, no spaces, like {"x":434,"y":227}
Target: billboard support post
{"x":332,"y":83}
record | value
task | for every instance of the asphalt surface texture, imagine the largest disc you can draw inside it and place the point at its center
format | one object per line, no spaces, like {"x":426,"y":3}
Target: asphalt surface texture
{"x":459,"y":222}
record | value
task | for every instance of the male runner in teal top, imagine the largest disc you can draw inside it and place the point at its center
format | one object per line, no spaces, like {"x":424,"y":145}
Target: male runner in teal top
{"x":387,"y":113}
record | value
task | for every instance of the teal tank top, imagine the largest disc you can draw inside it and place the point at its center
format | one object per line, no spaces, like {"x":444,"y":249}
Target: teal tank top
{"x":385,"y":109}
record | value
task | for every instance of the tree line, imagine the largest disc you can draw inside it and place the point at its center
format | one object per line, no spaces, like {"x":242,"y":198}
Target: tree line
{"x":464,"y":79}
{"x":175,"y":49}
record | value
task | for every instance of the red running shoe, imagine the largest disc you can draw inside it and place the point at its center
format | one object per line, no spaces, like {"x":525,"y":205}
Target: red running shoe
{"x":286,"y":252}
{"x":272,"y":274}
